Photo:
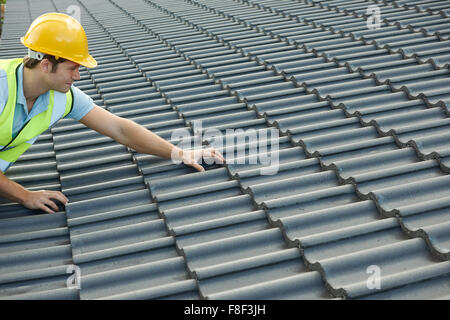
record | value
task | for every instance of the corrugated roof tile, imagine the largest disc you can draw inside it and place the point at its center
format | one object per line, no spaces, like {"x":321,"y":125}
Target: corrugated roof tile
{"x":353,"y":140}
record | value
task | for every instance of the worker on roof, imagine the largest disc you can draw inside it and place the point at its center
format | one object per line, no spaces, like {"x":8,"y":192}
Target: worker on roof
{"x":37,"y":91}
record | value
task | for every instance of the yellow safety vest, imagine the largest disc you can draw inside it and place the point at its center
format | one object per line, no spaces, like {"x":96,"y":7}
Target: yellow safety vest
{"x":11,"y":148}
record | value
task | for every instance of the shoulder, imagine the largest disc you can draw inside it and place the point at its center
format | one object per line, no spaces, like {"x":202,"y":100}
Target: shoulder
{"x":82,"y":104}
{"x":79,"y":96}
{"x":3,"y":78}
{"x":3,"y":87}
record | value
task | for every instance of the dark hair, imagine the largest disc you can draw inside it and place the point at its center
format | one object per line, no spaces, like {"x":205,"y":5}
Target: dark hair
{"x":31,"y":63}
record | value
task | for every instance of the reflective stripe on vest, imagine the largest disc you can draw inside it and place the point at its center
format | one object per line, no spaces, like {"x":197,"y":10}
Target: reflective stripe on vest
{"x":11,"y":149}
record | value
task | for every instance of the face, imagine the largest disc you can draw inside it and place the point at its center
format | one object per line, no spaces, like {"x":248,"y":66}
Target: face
{"x":66,"y":73}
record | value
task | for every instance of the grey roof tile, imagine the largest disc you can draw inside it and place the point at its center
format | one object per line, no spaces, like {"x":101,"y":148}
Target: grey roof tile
{"x":228,"y":285}
{"x":413,"y":193}
{"x":304,"y":103}
{"x":293,"y":185}
{"x":168,"y":196}
{"x":184,"y":290}
{"x":309,"y":77}
{"x":399,"y":175}
{"x":239,"y":250}
{"x":306,"y":226}
{"x":283,"y":171}
{"x":430,"y":76}
{"x":295,"y":287}
{"x":215,"y":269}
{"x":304,"y":66}
{"x":433,"y":288}
{"x":433,"y":221}
{"x":46,"y":283}
{"x":244,"y":168}
{"x":209,"y":215}
{"x":125,"y":256}
{"x":382,"y":103}
{"x":330,"y":87}
{"x":379,"y":58}
{"x":134,"y":252}
{"x":92,"y":210}
{"x":224,"y":64}
{"x":138,"y":277}
{"x":405,"y":133}
{"x":57,"y":254}
{"x":344,"y":137}
{"x":124,"y":179}
{"x":33,"y":239}
{"x":274,"y":96}
{"x":302,"y":133}
{"x":352,"y":150}
{"x":397,"y":74}
{"x":396,"y":269}
{"x":413,"y":219}
{"x":347,"y":240}
{"x":235,"y":84}
{"x":375,"y":162}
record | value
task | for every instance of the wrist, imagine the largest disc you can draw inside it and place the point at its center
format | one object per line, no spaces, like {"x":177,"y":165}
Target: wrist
{"x":23,"y":195}
{"x":177,"y":154}
{"x":12,"y":190}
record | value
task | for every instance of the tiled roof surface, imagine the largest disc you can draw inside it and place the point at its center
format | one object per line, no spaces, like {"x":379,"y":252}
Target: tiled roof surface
{"x":364,"y":139}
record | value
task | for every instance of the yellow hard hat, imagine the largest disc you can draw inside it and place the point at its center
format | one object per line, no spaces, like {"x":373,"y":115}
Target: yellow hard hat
{"x":59,"y":35}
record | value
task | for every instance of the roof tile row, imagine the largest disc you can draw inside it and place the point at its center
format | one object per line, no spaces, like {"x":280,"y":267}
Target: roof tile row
{"x":142,"y":227}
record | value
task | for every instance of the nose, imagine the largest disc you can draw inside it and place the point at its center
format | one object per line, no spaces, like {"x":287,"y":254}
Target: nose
{"x":77,"y":75}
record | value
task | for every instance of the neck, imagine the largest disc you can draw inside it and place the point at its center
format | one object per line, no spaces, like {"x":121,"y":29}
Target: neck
{"x":33,"y":84}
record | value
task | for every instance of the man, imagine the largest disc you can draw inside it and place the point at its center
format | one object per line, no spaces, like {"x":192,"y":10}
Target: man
{"x":37,"y":91}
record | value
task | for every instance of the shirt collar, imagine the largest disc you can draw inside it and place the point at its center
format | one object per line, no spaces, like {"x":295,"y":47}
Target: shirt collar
{"x":41,"y":102}
{"x":20,"y":96}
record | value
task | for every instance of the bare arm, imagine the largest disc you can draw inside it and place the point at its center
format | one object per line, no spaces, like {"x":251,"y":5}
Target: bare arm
{"x":11,"y":190}
{"x":31,"y":199}
{"x":141,"y":139}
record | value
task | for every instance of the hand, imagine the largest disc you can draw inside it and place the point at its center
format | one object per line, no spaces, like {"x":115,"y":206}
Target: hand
{"x":42,"y":200}
{"x":192,"y":157}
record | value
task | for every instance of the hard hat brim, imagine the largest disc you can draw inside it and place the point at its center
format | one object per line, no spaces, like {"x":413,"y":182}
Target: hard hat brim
{"x":89,"y":62}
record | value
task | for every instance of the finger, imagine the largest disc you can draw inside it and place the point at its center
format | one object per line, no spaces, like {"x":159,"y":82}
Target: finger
{"x":63,"y":197}
{"x":188,"y":161}
{"x":46,"y":209}
{"x":51,"y":204}
{"x":198,"y":167}
{"x":60,"y":196}
{"x":221,"y":156}
{"x":213,"y":153}
{"x":219,"y":160}
{"x":218,"y":156}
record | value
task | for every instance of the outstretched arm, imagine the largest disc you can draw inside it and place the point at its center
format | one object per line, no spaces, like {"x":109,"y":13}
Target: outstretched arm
{"x":143,"y":140}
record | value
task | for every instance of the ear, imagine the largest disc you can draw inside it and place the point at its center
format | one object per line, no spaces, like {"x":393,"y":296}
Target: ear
{"x":45,"y":65}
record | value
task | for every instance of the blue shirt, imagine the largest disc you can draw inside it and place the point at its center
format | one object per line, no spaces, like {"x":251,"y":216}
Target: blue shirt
{"x":82,"y":104}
